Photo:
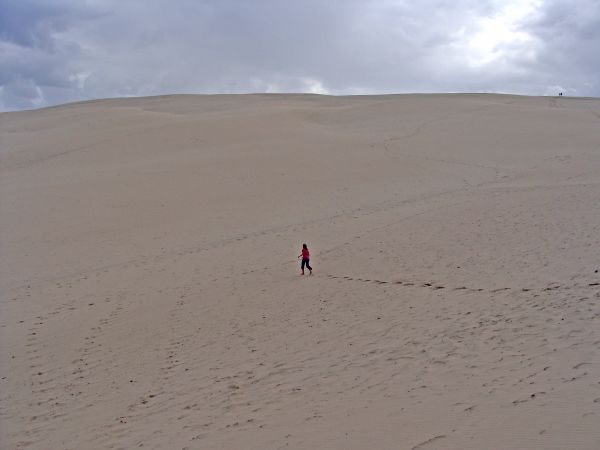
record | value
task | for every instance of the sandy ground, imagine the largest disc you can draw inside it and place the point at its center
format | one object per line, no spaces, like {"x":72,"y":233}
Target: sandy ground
{"x":151,"y":296}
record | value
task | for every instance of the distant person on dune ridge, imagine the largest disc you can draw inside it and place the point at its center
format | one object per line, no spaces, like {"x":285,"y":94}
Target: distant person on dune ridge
{"x":305,"y":255}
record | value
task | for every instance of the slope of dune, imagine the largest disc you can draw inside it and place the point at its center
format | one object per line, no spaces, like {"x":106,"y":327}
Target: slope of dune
{"x":151,"y":298}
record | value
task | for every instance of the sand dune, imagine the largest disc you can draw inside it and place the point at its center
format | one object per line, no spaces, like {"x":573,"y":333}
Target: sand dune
{"x":151,"y":297}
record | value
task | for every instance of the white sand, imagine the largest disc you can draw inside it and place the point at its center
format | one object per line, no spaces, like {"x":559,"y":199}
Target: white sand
{"x":151,"y":297}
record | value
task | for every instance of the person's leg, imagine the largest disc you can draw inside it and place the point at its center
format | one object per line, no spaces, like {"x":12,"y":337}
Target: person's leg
{"x":302,"y":265}
{"x":308,"y":266}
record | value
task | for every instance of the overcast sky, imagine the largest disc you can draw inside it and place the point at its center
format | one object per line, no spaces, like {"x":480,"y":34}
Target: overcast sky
{"x":57,"y":51}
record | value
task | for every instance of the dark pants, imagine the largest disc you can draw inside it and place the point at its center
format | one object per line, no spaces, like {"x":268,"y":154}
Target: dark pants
{"x":305,"y":263}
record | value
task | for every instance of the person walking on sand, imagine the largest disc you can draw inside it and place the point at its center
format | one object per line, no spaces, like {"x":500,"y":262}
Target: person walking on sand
{"x":305,"y":255}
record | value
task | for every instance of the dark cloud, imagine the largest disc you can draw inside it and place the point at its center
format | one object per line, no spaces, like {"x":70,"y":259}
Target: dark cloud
{"x":570,"y":57}
{"x":65,"y":50}
{"x":32,"y":23}
{"x":34,"y":53}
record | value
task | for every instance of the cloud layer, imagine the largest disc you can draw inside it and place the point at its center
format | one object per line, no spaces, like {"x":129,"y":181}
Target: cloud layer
{"x":68,"y":50}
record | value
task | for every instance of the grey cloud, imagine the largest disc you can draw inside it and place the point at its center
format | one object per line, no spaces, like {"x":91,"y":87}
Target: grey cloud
{"x":34,"y":59}
{"x":31,"y":23}
{"x":21,"y":93}
{"x":78,"y":50}
{"x":570,"y":57}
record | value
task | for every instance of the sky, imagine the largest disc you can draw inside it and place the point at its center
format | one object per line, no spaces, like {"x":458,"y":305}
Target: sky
{"x":59,"y":51}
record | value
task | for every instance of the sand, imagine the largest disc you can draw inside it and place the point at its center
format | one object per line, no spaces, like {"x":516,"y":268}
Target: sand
{"x":151,"y":296}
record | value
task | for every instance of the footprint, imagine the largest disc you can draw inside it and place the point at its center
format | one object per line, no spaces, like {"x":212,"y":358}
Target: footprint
{"x":428,"y":441}
{"x":499,"y":290}
{"x":551,"y":288}
{"x":580,"y":365}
